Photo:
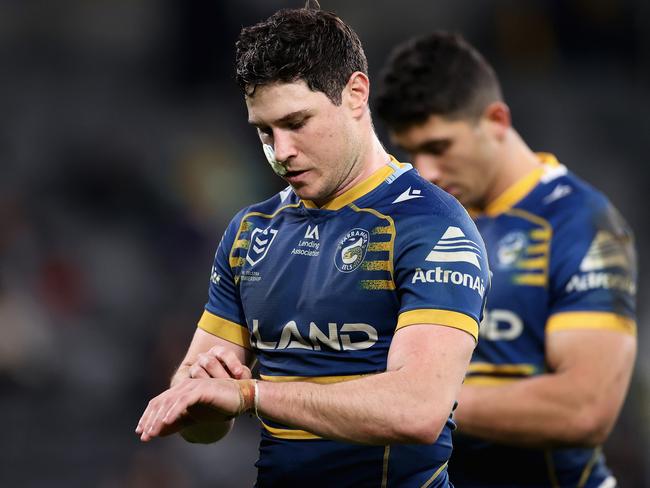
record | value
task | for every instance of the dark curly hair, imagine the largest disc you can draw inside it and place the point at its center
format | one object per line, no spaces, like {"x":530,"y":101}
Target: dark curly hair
{"x":299,"y":44}
{"x":439,"y":74}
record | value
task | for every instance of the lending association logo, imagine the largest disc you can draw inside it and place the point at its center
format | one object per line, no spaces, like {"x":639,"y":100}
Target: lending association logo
{"x":455,"y":247}
{"x":261,"y":240}
{"x":351,"y":250}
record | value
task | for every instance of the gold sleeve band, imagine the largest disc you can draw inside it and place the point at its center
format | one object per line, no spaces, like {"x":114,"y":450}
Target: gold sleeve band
{"x":225,"y":329}
{"x":591,"y":320}
{"x":439,"y":317}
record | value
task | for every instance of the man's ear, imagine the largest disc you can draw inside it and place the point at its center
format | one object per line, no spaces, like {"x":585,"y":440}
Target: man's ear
{"x":356,"y":93}
{"x":497,"y":114}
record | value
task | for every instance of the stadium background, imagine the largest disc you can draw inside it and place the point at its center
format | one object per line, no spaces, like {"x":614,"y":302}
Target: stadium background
{"x":124,"y":150}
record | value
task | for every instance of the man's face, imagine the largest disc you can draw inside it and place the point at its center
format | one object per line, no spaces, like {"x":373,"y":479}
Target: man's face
{"x":456,"y":155}
{"x":311,"y":136}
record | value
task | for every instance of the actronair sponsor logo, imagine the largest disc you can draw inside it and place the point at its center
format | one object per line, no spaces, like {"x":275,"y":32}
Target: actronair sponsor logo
{"x":445,"y":276}
{"x":454,"y":247}
{"x":605,"y":251}
{"x":607,"y":281}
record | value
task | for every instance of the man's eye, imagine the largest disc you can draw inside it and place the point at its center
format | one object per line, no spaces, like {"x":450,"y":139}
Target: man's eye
{"x":299,"y":124}
{"x":437,"y":148}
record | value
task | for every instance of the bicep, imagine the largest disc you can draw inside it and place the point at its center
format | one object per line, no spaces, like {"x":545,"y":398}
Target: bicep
{"x":598,"y":363}
{"x":437,"y":355}
{"x":203,"y":341}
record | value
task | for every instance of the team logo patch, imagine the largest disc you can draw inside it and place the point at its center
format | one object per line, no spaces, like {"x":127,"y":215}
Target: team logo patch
{"x":510,"y":248}
{"x":351,"y":250}
{"x":454,"y":247}
{"x":261,"y":240}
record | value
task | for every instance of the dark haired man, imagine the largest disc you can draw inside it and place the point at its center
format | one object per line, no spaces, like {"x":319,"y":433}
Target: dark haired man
{"x":557,"y":346}
{"x":359,"y":288}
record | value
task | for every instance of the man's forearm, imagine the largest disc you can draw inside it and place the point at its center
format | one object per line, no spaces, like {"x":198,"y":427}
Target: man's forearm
{"x":544,"y":411}
{"x":409,"y":403}
{"x":380,"y":409}
{"x":577,"y":404}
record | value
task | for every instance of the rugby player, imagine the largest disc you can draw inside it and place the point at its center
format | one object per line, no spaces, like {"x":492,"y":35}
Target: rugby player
{"x":358,"y":289}
{"x":557,"y":346}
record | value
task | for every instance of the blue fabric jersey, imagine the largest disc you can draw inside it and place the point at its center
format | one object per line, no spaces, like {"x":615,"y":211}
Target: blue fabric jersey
{"x":562,"y":258}
{"x":319,"y":293}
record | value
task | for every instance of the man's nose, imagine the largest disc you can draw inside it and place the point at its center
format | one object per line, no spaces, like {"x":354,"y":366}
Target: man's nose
{"x":428,"y":167}
{"x":283,"y":145}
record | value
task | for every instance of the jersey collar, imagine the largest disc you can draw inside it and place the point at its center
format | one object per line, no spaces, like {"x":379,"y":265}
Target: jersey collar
{"x":360,"y":189}
{"x":520,"y":189}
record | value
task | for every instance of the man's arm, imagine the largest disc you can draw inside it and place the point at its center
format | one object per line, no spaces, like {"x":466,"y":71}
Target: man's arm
{"x":409,"y":403}
{"x":208,"y":356}
{"x":198,"y":363}
{"x":576,"y":403}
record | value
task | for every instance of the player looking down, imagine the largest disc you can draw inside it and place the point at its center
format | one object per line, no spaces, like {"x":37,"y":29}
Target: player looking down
{"x":358,"y":289}
{"x":557,"y":347}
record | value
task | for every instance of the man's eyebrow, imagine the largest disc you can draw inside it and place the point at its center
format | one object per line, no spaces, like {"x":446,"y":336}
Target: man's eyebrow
{"x":282,"y":120}
{"x":432,"y":143}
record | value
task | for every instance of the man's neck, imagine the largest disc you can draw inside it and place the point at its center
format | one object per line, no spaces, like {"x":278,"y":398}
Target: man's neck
{"x":370,"y":160}
{"x":517,"y":161}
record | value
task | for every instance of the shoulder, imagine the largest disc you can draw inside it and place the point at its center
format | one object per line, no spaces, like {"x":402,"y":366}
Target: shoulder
{"x":278,"y":202}
{"x":266,"y":209}
{"x":426,"y":216}
{"x":572,"y":206}
{"x":410,"y":198}
{"x":588,"y":232}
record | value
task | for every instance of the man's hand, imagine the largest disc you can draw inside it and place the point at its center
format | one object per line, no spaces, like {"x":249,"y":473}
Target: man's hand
{"x":219,"y":362}
{"x":202,"y":423}
{"x":174,"y":409}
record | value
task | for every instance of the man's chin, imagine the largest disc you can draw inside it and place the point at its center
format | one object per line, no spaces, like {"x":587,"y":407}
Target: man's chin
{"x":303,"y":193}
{"x":315,"y":197}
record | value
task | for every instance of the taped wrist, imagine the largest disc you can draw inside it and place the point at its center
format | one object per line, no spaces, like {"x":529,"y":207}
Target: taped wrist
{"x":247,"y":395}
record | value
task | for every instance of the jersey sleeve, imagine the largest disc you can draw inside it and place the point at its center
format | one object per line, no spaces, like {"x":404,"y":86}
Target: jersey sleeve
{"x":441,"y":271}
{"x":593,"y":271}
{"x":224,"y":315}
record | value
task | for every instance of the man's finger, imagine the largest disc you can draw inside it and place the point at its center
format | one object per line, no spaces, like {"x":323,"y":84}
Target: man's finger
{"x":157,"y":407}
{"x":144,"y":419}
{"x":213,"y":366}
{"x":235,"y":368}
{"x":197,"y":371}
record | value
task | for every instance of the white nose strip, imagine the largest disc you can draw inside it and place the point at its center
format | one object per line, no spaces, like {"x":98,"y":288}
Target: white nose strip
{"x":278,"y":167}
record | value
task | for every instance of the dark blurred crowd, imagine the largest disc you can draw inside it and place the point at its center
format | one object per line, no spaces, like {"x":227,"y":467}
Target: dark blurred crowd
{"x":124,"y":151}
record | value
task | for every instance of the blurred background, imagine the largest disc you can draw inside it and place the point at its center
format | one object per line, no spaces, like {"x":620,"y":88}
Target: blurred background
{"x":124,"y":151}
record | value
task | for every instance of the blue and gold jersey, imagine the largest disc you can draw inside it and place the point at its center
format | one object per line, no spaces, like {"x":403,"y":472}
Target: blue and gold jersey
{"x":318,"y":294}
{"x":562,"y":258}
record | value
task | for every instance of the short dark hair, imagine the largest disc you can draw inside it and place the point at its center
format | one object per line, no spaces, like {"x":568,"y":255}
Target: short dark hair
{"x":299,"y":44}
{"x":439,"y":74}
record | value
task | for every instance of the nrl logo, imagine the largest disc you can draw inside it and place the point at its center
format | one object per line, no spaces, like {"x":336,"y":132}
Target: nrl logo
{"x":351,"y":250}
{"x":261,"y":240}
